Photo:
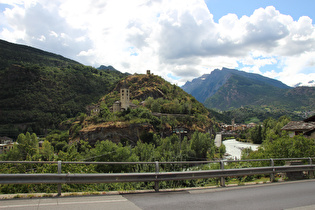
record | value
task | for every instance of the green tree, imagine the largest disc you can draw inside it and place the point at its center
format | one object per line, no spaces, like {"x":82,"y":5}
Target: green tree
{"x":256,"y":134}
{"x":287,"y":147}
{"x":28,"y":145}
{"x":145,"y":151}
{"x":14,"y":154}
{"x":148,"y":102}
{"x":168,"y":148}
{"x":47,"y":151}
{"x":104,"y":111}
{"x":107,"y":151}
{"x":221,"y":150}
{"x":26,"y":148}
{"x":272,"y":128}
{"x":156,"y":107}
{"x":71,"y":154}
{"x":202,"y":145}
{"x":284,"y":147}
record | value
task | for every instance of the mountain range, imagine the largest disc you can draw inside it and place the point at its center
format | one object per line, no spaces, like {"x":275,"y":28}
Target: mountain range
{"x":39,"y":90}
{"x":228,"y":89}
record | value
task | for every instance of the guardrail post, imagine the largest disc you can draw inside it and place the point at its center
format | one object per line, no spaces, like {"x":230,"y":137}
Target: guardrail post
{"x":59,"y":172}
{"x":272,"y":175}
{"x":311,"y":173}
{"x":222,"y":179}
{"x":157,"y":170}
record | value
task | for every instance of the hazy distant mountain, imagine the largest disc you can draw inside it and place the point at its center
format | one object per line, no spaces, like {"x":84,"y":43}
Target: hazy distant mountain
{"x":311,"y":83}
{"x":229,"y":88}
{"x":110,"y":69}
{"x":208,"y":84}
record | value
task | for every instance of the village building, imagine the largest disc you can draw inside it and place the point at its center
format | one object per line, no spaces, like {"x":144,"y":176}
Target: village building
{"x":305,"y":127}
{"x":93,"y":109}
{"x":234,"y":126}
{"x":5,"y":144}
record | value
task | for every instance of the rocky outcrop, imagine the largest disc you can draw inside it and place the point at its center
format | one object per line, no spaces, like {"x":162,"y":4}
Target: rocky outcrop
{"x":115,"y":131}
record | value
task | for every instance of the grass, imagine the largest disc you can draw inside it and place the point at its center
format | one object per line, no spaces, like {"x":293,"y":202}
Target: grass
{"x":17,"y":196}
{"x":237,"y":181}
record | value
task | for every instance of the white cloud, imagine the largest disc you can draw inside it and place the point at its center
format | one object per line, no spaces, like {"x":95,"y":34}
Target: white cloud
{"x":170,"y":37}
{"x":298,"y":69}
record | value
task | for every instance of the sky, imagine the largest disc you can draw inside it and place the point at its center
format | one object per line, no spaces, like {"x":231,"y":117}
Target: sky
{"x":176,"y":39}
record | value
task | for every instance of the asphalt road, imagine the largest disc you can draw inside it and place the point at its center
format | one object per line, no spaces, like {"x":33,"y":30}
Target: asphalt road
{"x":298,"y":195}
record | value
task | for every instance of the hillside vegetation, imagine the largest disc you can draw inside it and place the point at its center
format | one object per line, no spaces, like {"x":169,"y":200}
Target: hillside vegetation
{"x":172,"y":99}
{"x":160,"y":108}
{"x":38,"y":89}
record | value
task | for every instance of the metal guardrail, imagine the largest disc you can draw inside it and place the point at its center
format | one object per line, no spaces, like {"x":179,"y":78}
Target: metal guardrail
{"x":157,"y":176}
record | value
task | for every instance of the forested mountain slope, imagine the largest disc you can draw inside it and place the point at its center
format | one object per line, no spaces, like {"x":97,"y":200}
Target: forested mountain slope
{"x":39,"y":89}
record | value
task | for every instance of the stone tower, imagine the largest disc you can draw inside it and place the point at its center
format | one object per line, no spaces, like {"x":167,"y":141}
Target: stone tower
{"x":124,"y":96}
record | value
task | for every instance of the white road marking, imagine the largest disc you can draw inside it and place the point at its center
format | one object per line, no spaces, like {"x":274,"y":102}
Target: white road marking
{"x":312,"y":207}
{"x":60,"y":203}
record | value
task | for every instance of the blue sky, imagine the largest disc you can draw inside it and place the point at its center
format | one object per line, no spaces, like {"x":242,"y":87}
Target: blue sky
{"x":294,"y":8}
{"x":176,"y":39}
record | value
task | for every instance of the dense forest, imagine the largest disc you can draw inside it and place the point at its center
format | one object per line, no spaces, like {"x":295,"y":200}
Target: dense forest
{"x":38,"y":89}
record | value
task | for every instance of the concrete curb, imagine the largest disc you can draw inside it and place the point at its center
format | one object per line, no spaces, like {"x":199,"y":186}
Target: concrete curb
{"x":68,"y":194}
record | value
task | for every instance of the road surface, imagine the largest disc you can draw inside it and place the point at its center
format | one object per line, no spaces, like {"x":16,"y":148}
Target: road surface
{"x":298,"y":195}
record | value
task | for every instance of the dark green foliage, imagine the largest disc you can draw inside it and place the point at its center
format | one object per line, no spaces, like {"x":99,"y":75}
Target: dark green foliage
{"x":221,"y":150}
{"x":201,"y":145}
{"x":277,"y":143}
{"x":284,"y":147}
{"x":270,"y":129}
{"x":38,"y":90}
{"x":104,"y":111}
{"x":47,"y":151}
{"x":107,"y":151}
{"x":256,"y":134}
{"x":13,"y":54}
{"x":171,"y":148}
{"x":25,"y":148}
